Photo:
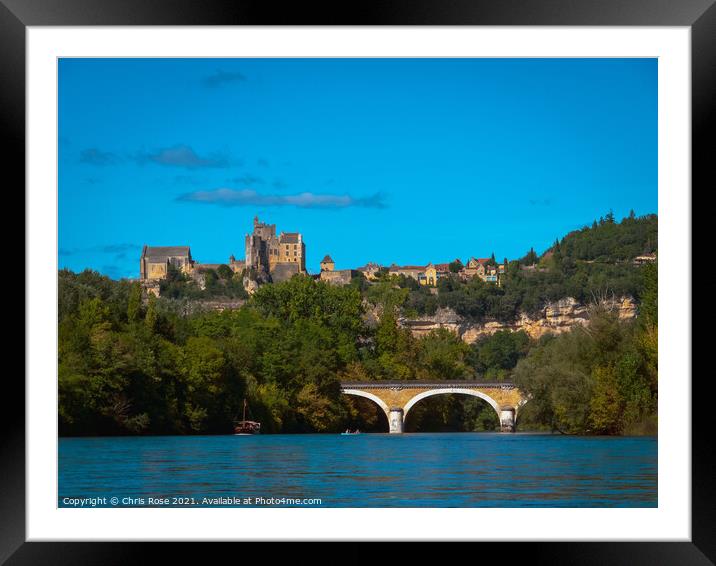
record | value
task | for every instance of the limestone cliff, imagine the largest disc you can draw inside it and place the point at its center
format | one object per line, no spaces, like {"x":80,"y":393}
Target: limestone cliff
{"x":555,"y":318}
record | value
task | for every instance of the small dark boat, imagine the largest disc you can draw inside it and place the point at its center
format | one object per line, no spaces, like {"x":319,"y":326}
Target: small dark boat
{"x":246,"y":427}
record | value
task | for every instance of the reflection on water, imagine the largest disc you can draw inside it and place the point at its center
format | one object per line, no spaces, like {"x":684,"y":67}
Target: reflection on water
{"x":369,"y":470}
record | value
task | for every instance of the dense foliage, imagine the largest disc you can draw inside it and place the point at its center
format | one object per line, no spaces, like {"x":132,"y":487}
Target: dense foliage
{"x":219,"y":283}
{"x":128,"y":365}
{"x":608,"y":241}
{"x":131,"y":364}
{"x":590,"y":263}
{"x":601,"y":378}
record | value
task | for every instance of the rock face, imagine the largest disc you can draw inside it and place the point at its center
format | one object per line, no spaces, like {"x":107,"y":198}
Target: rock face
{"x":250,"y":285}
{"x":555,"y":318}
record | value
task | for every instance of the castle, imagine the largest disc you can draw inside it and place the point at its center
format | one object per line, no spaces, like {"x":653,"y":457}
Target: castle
{"x":280,"y":257}
{"x":268,"y":258}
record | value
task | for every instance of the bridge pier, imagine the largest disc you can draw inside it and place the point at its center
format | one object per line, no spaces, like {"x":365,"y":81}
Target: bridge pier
{"x":507,"y":419}
{"x":395,"y":420}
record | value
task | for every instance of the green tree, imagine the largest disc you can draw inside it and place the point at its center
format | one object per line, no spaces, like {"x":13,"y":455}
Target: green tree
{"x":648,"y":309}
{"x":593,"y":379}
{"x":455,"y":266}
{"x":530,"y":258}
{"x":224,"y":272}
{"x":134,"y":308}
{"x":394,"y":348}
{"x":496,"y":355}
{"x":151,"y":318}
{"x":203,"y":369}
{"x":606,"y":404}
{"x":443,"y":356}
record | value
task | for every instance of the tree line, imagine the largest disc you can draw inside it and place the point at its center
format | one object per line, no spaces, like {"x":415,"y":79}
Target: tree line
{"x":130,"y":364}
{"x":586,"y":263}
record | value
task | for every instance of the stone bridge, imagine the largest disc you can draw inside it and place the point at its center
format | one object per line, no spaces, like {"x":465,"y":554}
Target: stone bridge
{"x":396,"y":398}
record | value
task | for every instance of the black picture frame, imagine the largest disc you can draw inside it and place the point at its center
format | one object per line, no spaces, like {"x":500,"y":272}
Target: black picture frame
{"x":16,"y":15}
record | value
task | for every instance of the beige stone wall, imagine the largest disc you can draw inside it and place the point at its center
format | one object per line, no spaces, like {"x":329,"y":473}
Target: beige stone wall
{"x":273,"y":260}
{"x":156,"y":270}
{"x":340,"y":277}
{"x":288,"y":254}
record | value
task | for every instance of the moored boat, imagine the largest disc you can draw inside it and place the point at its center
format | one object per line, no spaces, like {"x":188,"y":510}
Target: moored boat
{"x":246,"y":427}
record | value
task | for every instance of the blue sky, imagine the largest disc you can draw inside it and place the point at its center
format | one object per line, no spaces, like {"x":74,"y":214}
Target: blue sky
{"x":385,"y":160}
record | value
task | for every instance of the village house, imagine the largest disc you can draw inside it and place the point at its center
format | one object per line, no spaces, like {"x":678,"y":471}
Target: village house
{"x":482,"y":268}
{"x":370,"y":270}
{"x":432,"y":273}
{"x":413,"y":271}
{"x":475,"y":267}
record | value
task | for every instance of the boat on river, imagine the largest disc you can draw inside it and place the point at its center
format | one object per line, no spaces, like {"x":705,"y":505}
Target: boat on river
{"x":351,"y":432}
{"x":244,"y":427}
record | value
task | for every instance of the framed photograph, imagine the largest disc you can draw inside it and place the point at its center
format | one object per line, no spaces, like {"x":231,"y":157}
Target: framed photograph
{"x":395,"y":277}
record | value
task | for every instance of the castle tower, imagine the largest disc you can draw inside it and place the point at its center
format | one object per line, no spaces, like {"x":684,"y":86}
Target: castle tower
{"x":280,"y":257}
{"x":327,"y":264}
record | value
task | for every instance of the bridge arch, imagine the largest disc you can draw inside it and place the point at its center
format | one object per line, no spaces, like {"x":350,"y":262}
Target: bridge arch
{"x":445,"y":391}
{"x":377,"y":400}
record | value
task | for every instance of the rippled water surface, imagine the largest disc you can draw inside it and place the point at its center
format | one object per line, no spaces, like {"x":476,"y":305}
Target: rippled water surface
{"x":367,"y":470}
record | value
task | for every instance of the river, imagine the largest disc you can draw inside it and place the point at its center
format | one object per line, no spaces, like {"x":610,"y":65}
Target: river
{"x":366,"y":470}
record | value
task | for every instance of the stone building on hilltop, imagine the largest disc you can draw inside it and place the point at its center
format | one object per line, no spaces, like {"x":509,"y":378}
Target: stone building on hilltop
{"x":432,"y":273}
{"x":413,"y":271}
{"x":268,"y":258}
{"x":483,"y":268}
{"x":327,"y":264}
{"x":370,"y":270}
{"x":155,"y":261}
{"x":330,"y":274}
{"x":278,"y":257}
